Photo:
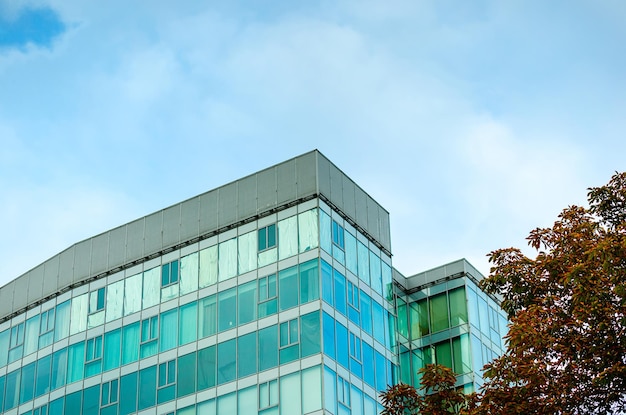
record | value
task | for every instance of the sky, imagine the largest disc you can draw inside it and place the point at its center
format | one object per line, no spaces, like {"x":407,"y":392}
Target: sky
{"x":472,"y":123}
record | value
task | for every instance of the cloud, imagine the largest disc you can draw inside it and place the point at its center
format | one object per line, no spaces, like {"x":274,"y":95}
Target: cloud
{"x":29,"y":27}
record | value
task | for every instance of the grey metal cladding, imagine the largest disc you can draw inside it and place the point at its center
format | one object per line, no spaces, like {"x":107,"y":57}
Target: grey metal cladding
{"x":82,"y":260}
{"x":266,"y":183}
{"x":36,"y":283}
{"x":99,"y":253}
{"x":208,"y":211}
{"x":6,"y":298}
{"x":227,"y":204}
{"x":323,"y":176}
{"x":349,"y":203}
{"x":286,"y":188}
{"x":306,"y":174}
{"x":51,"y":276}
{"x":20,"y":294}
{"x":246,"y":198}
{"x":171,"y":225}
{"x":385,"y":231}
{"x":372,"y":218}
{"x":190,"y":218}
{"x":153,"y":232}
{"x":117,"y":246}
{"x":360,"y":198}
{"x":336,"y":187}
{"x":66,"y":267}
{"x":134,"y":239}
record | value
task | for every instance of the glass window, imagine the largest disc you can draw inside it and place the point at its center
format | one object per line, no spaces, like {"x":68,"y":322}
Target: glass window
{"x":329,"y":335}
{"x":151,"y":287}
{"x":376,"y":276}
{"x":351,"y":253}
{"x":73,"y":403}
{"x":247,"y":302}
{"x":461,"y":354}
{"x":368,"y":364}
{"x":168,"y":333}
{"x":379,"y":322}
{"x":115,"y":301}
{"x":188,"y":324}
{"x":353,"y":303}
{"x":355,"y":355}
{"x":16,"y":345}
{"x":110,"y":393}
{"x":268,"y":348}
{"x":330,"y":391}
{"x":226,"y":361}
{"x":325,"y":232}
{"x":458,"y":308}
{"x":42,"y":381}
{"x":166,"y":381}
{"x":128,"y":399}
{"x":12,"y":393}
{"x":363,"y":262}
{"x":343,"y":391}
{"x":340,"y":292}
{"x":246,"y":360}
{"x":309,"y":281}
{"x":169,"y":273}
{"x":130,"y":343}
{"x":147,"y":387}
{"x":227,"y":304}
{"x":247,"y":401}
{"x":338,"y":235}
{"x":312,"y":389}
{"x":356,"y":400}
{"x":208,"y":267}
{"x":227,"y":259}
{"x":443,"y":354}
{"x":27,"y":386}
{"x":76,"y":362}
{"x":366,"y":313}
{"x":227,"y":404}
{"x":267,"y":296}
{"x":31,"y":335}
{"x":484,"y":317}
{"x":381,"y":381}
{"x":439,"y":312}
{"x":387,"y":285}
{"x":206,"y":367}
{"x":96,"y":300}
{"x":4,"y":346}
{"x":307,"y":230}
{"x":267,"y":237}
{"x":189,"y":273}
{"x":93,"y":356}
{"x":290,"y":387}
{"x":268,"y":394}
{"x":288,"y":236}
{"x":310,"y":334}
{"x":149,"y":336}
{"x":327,"y":283}
{"x":46,"y":328}
{"x":247,"y":252}
{"x":289,"y":341}
{"x":59,"y":369}
{"x":207,"y":316}
{"x":288,"y":288}
{"x":132,"y":294}
{"x":112,"y":353}
{"x":342,"y":345}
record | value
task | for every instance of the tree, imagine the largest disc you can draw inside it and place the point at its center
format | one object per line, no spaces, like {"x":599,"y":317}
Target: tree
{"x":439,"y":396}
{"x":566,"y":346}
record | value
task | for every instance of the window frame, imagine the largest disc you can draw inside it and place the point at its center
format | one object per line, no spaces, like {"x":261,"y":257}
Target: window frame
{"x":100,"y":301}
{"x":263,"y":237}
{"x":268,"y":386}
{"x":113,"y":392}
{"x":338,"y":235}
{"x":172,"y":276}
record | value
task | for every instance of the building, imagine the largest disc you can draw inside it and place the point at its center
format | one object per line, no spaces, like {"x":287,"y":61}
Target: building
{"x":273,"y":294}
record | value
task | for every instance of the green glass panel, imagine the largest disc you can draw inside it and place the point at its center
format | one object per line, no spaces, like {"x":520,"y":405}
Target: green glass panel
{"x":403,"y":326}
{"x":91,"y":400}
{"x":226,"y":361}
{"x":246,"y":361}
{"x":72,"y":403}
{"x":443,"y":354}
{"x":207,"y":316}
{"x":76,"y":362}
{"x":186,"y":383}
{"x":147,"y":387}
{"x":206,"y":367}
{"x":268,"y":347}
{"x":458,"y":307}
{"x":462,"y":354}
{"x":310,"y":336}
{"x":439,"y":312}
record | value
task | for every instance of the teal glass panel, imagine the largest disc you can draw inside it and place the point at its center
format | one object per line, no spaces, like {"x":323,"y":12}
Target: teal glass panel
{"x":128,"y":395}
{"x":247,"y":302}
{"x":368,"y":365}
{"x":246,"y":358}
{"x":268,"y":348}
{"x":186,"y":380}
{"x":356,"y":399}
{"x":312,"y":389}
{"x":112,"y":349}
{"x":268,"y":300}
{"x":247,"y":401}
{"x":355,"y":355}
{"x":59,"y":369}
{"x":188,"y":323}
{"x":403,"y":324}
{"x":477,"y":356}
{"x":330,"y":391}
{"x":443,"y":354}
{"x":2,"y":382}
{"x":31,"y":335}
{"x":168,"y":333}
{"x":290,"y":386}
{"x":11,"y":395}
{"x":4,"y":347}
{"x":288,"y":237}
{"x":308,"y":230}
{"x":227,"y":306}
{"x":91,"y":400}
{"x":379,"y":322}
{"x":62,"y":321}
{"x":147,"y":387}
{"x":405,"y":365}
{"x":227,"y":404}
{"x":327,"y":283}
{"x":458,"y":308}
{"x":289,"y":341}
{"x":226,"y":361}
{"x":417,"y":360}
{"x":439,"y":312}
{"x":188,"y":410}
{"x":325,"y":232}
{"x":207,"y":314}
{"x":207,"y":367}
{"x":340,"y":292}
{"x":109,"y":410}
{"x":381,"y":372}
{"x":27,"y":386}
{"x":309,"y":281}
{"x":166,"y":394}
{"x":329,"y":335}
{"x":56,"y":407}
{"x":353,"y":304}
{"x":366,"y":313}
{"x":352,"y":259}
{"x":342,"y":345}
{"x":310,"y":339}
{"x":364,"y":262}
{"x":207,"y":407}
{"x":288,"y":288}
{"x":376,"y":277}
{"x":42,"y":381}
{"x":387,"y":286}
{"x":76,"y":362}
{"x":130,"y":343}
{"x":483,"y":310}
{"x":73,"y":403}
{"x":461,"y":353}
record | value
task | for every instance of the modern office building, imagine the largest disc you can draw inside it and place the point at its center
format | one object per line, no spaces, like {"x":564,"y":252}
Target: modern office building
{"x":273,"y":294}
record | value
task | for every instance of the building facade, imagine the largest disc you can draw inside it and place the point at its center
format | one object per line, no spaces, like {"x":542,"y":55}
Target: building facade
{"x":273,"y":294}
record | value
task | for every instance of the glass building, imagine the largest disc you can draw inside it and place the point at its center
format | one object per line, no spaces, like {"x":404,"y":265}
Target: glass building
{"x":273,"y":294}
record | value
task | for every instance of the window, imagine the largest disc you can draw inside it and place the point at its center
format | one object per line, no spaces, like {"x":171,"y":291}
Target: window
{"x":267,"y":237}
{"x":96,"y":300}
{"x":267,"y":295}
{"x":353,"y":303}
{"x":93,"y":356}
{"x":166,"y":382}
{"x":42,"y":410}
{"x":16,"y":344}
{"x":355,"y":355}
{"x":343,"y":391}
{"x":46,"y":324}
{"x":289,"y":341}
{"x":149,"y":336}
{"x":268,"y":394}
{"x":338,"y":235}
{"x":169,"y":274}
{"x":109,"y":394}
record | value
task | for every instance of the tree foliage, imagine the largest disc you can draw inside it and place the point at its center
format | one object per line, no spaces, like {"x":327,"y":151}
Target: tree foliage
{"x":566,"y":346}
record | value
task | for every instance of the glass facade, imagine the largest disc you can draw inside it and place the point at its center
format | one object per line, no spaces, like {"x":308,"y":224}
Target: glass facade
{"x":292,"y":311}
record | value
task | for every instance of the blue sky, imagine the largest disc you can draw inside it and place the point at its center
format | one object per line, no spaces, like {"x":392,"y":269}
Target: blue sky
{"x":471,"y":122}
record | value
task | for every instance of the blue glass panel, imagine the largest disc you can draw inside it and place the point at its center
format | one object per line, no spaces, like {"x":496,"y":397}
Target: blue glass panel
{"x":342,"y":345}
{"x":329,"y":335}
{"x":310,"y":334}
{"x":330,"y":391}
{"x":309,"y":281}
{"x":366,"y":313}
{"x":379,"y":322}
{"x":327,"y":282}
{"x":128,"y":397}
{"x":368,"y":365}
{"x":381,"y":372}
{"x":340,"y":292}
